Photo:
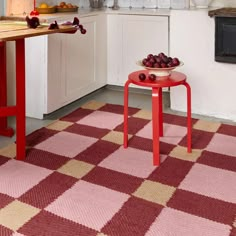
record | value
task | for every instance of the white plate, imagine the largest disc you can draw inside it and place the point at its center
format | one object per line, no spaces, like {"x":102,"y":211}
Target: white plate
{"x":159,"y":71}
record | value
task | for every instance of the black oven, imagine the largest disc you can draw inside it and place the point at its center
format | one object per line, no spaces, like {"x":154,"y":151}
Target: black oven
{"x":225,"y":39}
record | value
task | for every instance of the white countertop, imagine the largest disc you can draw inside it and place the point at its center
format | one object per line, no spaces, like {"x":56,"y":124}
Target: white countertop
{"x":84,"y":12}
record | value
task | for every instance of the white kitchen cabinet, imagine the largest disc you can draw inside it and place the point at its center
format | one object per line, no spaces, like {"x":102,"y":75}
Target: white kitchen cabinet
{"x":131,"y":38}
{"x":81,"y":62}
{"x":66,"y":68}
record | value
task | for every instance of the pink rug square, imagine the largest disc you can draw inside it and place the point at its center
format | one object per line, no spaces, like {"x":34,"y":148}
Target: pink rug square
{"x":17,"y":177}
{"x":88,"y":204}
{"x":172,"y":222}
{"x":223,"y":144}
{"x":212,"y":182}
{"x":131,"y":161}
{"x":102,"y":119}
{"x":171,"y":133}
{"x":66,"y":144}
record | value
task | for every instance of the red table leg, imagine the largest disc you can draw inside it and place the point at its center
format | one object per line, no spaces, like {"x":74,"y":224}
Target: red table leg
{"x":20,"y":99}
{"x":126,"y":105}
{"x":4,"y":129}
{"x":155,"y":125}
{"x":189,"y":125}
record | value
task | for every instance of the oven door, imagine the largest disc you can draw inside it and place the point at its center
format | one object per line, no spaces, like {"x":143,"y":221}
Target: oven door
{"x":225,"y":39}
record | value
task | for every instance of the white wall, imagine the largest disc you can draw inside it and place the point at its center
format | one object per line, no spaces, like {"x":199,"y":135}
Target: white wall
{"x":213,"y":83}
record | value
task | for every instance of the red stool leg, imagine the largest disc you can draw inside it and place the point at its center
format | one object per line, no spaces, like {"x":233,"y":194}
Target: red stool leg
{"x":189,"y":124}
{"x":126,"y":101}
{"x":4,"y":129}
{"x":160,"y":113}
{"x":155,"y":126}
{"x":20,"y":99}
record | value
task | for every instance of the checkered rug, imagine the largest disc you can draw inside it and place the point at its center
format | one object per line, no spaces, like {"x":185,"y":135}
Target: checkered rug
{"x":78,"y":180}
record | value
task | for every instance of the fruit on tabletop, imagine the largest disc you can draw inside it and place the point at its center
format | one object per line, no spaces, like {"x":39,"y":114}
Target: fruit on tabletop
{"x":43,"y":5}
{"x":75,"y":21}
{"x":32,"y":22}
{"x":160,"y":60}
{"x":77,"y":25}
{"x":152,"y":77}
{"x":53,"y":25}
{"x":142,"y":76}
{"x":83,"y":31}
{"x":66,"y":5}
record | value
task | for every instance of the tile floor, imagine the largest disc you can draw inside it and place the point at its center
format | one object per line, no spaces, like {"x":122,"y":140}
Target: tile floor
{"x":110,"y":94}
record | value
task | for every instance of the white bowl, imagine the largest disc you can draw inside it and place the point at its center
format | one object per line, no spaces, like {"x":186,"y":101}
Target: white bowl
{"x":201,"y":3}
{"x":159,"y":71}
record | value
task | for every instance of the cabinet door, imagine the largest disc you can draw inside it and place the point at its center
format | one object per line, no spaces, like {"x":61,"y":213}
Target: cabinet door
{"x":114,"y":48}
{"x":136,"y":36}
{"x":79,"y":61}
{"x":54,"y":79}
{"x":76,"y":63}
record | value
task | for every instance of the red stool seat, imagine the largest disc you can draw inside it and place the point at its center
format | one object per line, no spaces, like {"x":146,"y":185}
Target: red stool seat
{"x":174,"y":79}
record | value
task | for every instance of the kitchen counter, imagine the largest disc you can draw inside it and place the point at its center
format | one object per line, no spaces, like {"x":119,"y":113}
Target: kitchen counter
{"x":85,"y":12}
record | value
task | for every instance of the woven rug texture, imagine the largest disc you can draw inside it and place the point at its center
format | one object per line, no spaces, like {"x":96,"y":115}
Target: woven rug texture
{"x":78,"y":180}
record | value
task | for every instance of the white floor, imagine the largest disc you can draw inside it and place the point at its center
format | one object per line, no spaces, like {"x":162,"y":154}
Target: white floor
{"x":109,"y":94}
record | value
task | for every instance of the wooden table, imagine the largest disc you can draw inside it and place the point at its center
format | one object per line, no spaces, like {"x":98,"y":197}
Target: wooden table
{"x":18,"y":31}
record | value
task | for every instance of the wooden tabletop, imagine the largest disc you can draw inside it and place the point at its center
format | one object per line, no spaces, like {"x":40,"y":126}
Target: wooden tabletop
{"x":11,"y":30}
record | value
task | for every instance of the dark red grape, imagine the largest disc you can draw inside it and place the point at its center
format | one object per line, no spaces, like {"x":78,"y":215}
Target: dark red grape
{"x":149,"y":64}
{"x":142,"y":76}
{"x":152,"y":77}
{"x":158,"y":59}
{"x":165,"y":59}
{"x":149,"y":56}
{"x":175,"y":61}
{"x":163,"y":65}
{"x":170,"y":64}
{"x":75,"y":21}
{"x":152,"y":60}
{"x":161,"y":54}
{"x":144,"y":61}
{"x":83,"y":31}
{"x":53,"y":25}
{"x":156,"y":65}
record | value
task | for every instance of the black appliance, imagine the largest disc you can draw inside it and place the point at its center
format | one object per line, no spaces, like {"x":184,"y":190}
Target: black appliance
{"x":225,"y":39}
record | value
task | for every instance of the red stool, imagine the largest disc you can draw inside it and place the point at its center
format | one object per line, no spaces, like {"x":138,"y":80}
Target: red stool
{"x":174,"y":79}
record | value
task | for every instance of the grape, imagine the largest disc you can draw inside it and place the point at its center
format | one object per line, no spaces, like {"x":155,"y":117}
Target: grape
{"x":75,"y":21}
{"x":80,"y":27}
{"x":156,"y":65}
{"x":83,"y":31}
{"x":152,"y":77}
{"x":53,"y":25}
{"x":148,"y":64}
{"x":142,"y":76}
{"x":149,"y":56}
{"x":175,"y":61}
{"x":144,"y":61}
{"x":160,"y":61}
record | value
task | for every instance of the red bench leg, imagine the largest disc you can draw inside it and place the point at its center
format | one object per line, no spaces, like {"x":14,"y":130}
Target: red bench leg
{"x":126,"y":105}
{"x":189,"y":124}
{"x":156,"y":125}
{"x":160,"y":113}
